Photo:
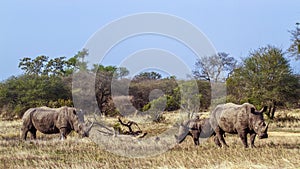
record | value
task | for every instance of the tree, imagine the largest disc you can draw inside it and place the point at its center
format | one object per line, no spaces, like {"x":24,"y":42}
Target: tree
{"x":103,"y":91}
{"x":122,"y":72}
{"x":79,"y":61}
{"x":44,"y":83}
{"x":294,"y":49}
{"x":264,"y":78}
{"x":41,"y":65}
{"x":56,"y":66}
{"x":147,"y":76}
{"x":103,"y":85}
{"x":34,"y":66}
{"x":101,"y":68}
{"x":189,"y":97}
{"x":213,"y":68}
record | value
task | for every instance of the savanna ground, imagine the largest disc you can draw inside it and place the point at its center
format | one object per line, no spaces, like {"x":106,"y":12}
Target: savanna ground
{"x":280,"y":150}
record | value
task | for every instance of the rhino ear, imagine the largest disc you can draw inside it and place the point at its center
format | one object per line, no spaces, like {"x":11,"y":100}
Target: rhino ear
{"x":74,"y":111}
{"x":252,"y":110}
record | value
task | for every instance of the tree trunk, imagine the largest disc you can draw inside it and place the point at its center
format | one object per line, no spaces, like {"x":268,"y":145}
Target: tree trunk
{"x":269,"y":111}
{"x":273,"y":110}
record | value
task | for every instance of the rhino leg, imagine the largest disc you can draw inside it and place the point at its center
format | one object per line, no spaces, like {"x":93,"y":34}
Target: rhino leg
{"x":219,"y":134}
{"x":63,"y":133}
{"x":243,"y":136}
{"x":24,"y":133}
{"x":33,"y":132}
{"x":183,"y":132}
{"x":217,"y":141}
{"x":252,"y":138}
{"x":181,"y":140}
{"x":196,"y":141}
{"x":195,"y":134}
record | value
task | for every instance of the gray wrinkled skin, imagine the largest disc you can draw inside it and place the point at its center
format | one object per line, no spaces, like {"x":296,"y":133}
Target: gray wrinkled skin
{"x":238,"y":119}
{"x":53,"y":120}
{"x":196,"y":128}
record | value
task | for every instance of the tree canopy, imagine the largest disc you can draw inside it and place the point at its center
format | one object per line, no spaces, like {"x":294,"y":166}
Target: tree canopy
{"x":294,"y":48}
{"x":213,"y":68}
{"x":45,"y":82}
{"x":265,"y":77}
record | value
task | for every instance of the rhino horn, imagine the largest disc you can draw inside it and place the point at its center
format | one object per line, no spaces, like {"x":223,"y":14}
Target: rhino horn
{"x":266,"y":128}
{"x":89,"y":127}
{"x":264,"y":109}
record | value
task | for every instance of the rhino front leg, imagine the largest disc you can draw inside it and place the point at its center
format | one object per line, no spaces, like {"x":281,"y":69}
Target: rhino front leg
{"x":252,"y":138}
{"x":196,"y":140}
{"x":195,"y":134}
{"x":63,"y":133}
{"x":243,"y":136}
{"x":183,"y":132}
{"x":180,"y":139}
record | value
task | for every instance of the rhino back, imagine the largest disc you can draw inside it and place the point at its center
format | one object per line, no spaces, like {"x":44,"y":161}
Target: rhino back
{"x":45,"y":119}
{"x":230,"y":117}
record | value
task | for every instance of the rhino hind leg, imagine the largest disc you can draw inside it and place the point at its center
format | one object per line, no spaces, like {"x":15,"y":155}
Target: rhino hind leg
{"x":33,"y":132}
{"x":217,"y":141}
{"x":25,"y":131}
{"x":220,"y":135}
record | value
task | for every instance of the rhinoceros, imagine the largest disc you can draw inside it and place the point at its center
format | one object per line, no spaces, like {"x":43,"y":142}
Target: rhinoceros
{"x":54,"y":120}
{"x":197,"y":128}
{"x":238,"y":119}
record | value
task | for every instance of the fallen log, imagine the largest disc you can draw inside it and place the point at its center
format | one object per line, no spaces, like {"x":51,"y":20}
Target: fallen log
{"x":139,"y":133}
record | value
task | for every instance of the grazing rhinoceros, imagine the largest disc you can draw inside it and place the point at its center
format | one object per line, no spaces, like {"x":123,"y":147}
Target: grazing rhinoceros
{"x":238,"y":119}
{"x":197,"y":128}
{"x":54,"y":120}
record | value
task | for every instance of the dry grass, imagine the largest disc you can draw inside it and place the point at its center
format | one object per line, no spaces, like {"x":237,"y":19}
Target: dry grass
{"x":287,"y":119}
{"x":280,"y":150}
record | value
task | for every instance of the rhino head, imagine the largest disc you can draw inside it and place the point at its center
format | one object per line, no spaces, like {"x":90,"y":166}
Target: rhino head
{"x":190,"y":127}
{"x":84,"y":129}
{"x":258,"y":124}
{"x":77,"y":122}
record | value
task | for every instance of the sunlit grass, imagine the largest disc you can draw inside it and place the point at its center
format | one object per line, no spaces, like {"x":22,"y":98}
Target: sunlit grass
{"x":280,"y":150}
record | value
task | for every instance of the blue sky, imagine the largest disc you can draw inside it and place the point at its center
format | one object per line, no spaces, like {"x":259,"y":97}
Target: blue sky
{"x":61,"y":28}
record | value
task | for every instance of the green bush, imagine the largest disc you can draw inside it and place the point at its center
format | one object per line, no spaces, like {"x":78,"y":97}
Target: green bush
{"x":17,"y":94}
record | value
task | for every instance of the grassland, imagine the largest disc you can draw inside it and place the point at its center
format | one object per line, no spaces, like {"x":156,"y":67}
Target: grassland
{"x":280,"y":150}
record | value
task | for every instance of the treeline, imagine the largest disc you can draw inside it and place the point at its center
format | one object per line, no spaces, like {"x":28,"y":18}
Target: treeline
{"x":263,"y":78}
{"x":146,"y":90}
{"x":48,"y":82}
